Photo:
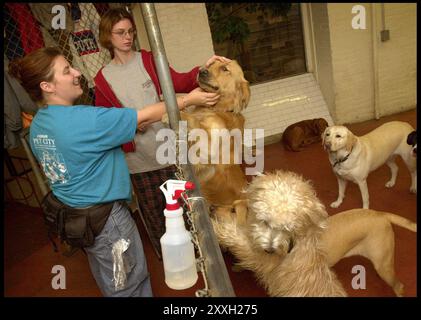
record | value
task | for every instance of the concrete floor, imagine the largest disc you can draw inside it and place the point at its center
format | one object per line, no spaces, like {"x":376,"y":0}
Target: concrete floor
{"x":29,"y":257}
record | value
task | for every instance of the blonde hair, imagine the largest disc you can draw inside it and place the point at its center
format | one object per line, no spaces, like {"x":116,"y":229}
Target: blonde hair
{"x":108,"y":20}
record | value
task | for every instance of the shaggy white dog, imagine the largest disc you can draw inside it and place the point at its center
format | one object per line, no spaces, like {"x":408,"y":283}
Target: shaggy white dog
{"x":284,"y":217}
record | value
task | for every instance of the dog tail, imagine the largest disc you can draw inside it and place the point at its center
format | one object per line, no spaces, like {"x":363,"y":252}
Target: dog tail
{"x":401,"y":221}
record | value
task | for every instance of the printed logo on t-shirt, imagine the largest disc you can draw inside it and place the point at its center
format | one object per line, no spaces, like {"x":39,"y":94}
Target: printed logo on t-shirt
{"x":52,"y":161}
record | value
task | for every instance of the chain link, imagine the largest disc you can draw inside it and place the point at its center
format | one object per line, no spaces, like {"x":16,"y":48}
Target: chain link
{"x":190,"y":212}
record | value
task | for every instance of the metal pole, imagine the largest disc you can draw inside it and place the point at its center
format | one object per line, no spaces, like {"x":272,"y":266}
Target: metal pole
{"x":217,"y":275}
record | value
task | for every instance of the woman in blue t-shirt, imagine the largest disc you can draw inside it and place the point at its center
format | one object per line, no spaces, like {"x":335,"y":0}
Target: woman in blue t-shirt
{"x":79,"y":151}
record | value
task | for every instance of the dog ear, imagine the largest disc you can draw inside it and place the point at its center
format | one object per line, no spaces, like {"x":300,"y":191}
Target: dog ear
{"x":243,"y":97}
{"x":241,"y":210}
{"x":322,"y":124}
{"x":412,"y":137}
{"x":350,"y":141}
{"x":245,"y":92}
{"x":323,"y":136}
{"x":318,"y":214}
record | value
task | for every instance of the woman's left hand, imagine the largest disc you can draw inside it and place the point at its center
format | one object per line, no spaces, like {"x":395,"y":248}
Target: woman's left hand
{"x":214,"y":58}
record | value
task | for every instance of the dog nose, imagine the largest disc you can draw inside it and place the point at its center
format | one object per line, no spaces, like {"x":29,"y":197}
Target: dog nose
{"x":269,"y":250}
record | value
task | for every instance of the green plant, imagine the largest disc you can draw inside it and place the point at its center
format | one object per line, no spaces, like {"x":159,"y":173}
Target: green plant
{"x":227,"y":24}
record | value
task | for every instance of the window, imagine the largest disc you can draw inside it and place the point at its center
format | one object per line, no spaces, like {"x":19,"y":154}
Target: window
{"x":265,"y":38}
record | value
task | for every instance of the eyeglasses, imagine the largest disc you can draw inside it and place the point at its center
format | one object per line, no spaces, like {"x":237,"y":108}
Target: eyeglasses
{"x":122,"y":33}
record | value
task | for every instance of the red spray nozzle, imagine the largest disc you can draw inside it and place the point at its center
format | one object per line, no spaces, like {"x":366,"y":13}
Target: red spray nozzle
{"x":189,"y":185}
{"x":173,"y":191}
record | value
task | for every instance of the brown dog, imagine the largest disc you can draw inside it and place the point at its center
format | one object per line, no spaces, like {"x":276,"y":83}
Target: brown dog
{"x":303,"y":133}
{"x":221,"y":183}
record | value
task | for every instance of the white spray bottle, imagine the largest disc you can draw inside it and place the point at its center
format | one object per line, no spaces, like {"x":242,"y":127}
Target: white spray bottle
{"x":177,"y":248}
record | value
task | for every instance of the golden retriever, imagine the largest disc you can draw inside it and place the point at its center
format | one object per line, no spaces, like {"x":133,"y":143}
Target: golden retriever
{"x":220,"y":183}
{"x":298,"y":135}
{"x":353,"y":158}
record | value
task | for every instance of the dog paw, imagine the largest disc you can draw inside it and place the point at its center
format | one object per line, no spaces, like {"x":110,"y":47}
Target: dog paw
{"x":399,"y":289}
{"x":413,"y":190}
{"x":389,"y":184}
{"x":335,"y":204}
{"x":165,"y":119}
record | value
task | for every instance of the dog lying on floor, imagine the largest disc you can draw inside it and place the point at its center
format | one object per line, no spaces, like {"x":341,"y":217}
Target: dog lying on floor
{"x":221,"y":184}
{"x":412,"y":141}
{"x":298,"y":135}
{"x":283,"y":234}
{"x":353,"y":158}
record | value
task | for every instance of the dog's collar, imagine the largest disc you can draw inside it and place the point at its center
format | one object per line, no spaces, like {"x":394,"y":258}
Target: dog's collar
{"x":343,"y":159}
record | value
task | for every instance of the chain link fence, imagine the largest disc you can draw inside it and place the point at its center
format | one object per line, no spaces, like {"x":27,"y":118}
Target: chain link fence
{"x":72,"y":27}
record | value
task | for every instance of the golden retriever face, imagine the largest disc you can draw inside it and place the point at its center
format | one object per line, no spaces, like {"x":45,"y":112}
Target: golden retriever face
{"x":228,"y":80}
{"x":338,"y":137}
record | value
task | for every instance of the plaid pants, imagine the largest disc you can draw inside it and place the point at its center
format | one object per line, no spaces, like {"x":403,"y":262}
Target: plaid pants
{"x":152,"y":202}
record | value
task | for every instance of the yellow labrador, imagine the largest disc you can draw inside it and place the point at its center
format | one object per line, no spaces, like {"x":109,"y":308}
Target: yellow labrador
{"x":353,"y":158}
{"x":368,"y":233}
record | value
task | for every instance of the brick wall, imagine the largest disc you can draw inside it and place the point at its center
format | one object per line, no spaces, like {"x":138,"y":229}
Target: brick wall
{"x":353,"y":64}
{"x":320,"y":25}
{"x":185,"y":33}
{"x":398,"y":60}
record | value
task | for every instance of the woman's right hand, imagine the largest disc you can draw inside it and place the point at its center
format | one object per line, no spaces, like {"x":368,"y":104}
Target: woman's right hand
{"x":199,"y":97}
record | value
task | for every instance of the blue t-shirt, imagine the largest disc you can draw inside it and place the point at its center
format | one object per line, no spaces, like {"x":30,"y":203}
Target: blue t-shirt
{"x":79,"y":150}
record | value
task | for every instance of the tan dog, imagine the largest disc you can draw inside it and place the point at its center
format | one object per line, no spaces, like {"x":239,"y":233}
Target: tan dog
{"x":353,"y":158}
{"x":367,"y":233}
{"x":281,"y":241}
{"x":221,"y":184}
{"x":354,"y":232}
{"x":303,"y":133}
